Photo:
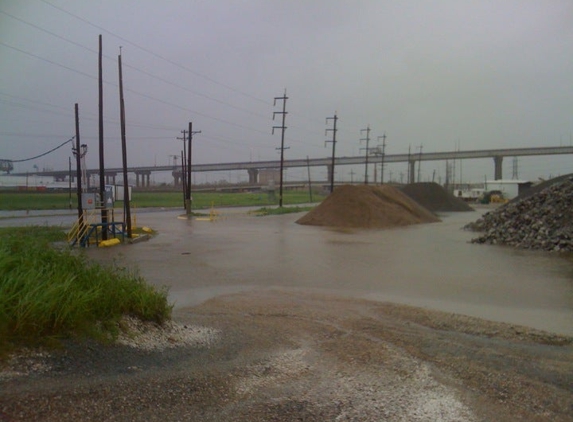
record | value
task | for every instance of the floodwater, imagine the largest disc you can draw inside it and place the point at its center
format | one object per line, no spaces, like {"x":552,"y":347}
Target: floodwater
{"x":430,"y":265}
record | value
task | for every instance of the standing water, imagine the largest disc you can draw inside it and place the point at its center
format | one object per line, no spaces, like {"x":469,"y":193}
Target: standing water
{"x":429,"y":265}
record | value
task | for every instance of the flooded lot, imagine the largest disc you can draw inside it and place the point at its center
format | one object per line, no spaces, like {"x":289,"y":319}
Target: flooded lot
{"x":430,"y":265}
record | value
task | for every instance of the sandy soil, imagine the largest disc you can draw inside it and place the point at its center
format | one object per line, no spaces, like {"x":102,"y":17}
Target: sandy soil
{"x":297,"y":356}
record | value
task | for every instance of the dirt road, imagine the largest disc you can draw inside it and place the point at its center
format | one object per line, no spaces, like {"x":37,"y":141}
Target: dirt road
{"x":298,"y":356}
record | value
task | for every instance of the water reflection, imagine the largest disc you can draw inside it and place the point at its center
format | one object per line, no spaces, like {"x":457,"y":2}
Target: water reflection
{"x":429,"y":265}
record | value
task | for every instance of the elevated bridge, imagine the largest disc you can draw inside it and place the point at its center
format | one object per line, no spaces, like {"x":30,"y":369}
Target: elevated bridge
{"x":253,"y":167}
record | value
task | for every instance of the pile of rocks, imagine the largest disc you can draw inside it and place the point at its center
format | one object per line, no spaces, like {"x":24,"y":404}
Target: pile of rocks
{"x":541,"y":221}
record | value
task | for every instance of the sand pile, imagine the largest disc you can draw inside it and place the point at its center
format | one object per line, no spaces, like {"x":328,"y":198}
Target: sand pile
{"x":367,"y":207}
{"x":434,"y":197}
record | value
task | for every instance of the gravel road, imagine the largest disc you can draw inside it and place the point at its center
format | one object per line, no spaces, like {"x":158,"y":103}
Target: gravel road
{"x":300,"y":356}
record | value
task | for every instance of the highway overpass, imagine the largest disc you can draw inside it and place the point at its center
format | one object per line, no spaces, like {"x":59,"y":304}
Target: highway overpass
{"x":253,"y":167}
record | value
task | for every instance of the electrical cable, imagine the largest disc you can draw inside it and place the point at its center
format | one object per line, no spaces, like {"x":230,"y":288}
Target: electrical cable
{"x":158,"y":55}
{"x":45,"y":153}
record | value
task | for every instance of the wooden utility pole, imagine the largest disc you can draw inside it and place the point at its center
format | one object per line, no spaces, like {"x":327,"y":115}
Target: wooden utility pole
{"x":126,"y":204}
{"x":189,"y":165}
{"x":367,"y":139}
{"x":284,"y":98}
{"x":383,"y":155}
{"x":184,"y":166}
{"x":333,"y":130}
{"x":309,"y":181}
{"x":77,"y":153}
{"x":188,"y":192}
{"x":420,"y":162}
{"x":101,"y":149}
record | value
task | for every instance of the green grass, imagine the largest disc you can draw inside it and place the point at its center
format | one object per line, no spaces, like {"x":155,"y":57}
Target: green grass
{"x":145,"y":199}
{"x":36,"y":201}
{"x":48,"y":293}
{"x":280,"y":210}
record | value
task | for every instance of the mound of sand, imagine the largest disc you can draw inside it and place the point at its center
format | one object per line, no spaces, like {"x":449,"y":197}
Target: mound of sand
{"x":434,"y":197}
{"x":367,"y":207}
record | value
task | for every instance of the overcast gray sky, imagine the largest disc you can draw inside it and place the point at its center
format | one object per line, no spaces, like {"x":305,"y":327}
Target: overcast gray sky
{"x":442,"y":74}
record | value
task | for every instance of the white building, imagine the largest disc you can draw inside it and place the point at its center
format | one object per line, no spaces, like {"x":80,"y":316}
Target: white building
{"x":509,"y":188}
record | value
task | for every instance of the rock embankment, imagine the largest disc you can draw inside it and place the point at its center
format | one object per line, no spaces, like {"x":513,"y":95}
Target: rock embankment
{"x":541,"y":221}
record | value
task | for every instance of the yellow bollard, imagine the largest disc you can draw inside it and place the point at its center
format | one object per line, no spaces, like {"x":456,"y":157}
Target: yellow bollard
{"x":109,"y":242}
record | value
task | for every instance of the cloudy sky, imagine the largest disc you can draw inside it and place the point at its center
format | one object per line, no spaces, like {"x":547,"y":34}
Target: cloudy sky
{"x":445,"y":74}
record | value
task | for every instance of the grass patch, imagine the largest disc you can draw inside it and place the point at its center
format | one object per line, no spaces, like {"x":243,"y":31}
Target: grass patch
{"x":48,"y":294}
{"x":279,"y":211}
{"x":13,"y":201}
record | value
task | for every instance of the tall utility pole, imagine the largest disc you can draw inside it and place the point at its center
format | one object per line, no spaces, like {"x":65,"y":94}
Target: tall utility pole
{"x":77,"y":153}
{"x":410,"y":171}
{"x":333,"y":130}
{"x":126,"y":204}
{"x":284,"y":98}
{"x":101,"y":156}
{"x":383,"y":154}
{"x":419,"y":162}
{"x":309,"y":181}
{"x":190,"y":139}
{"x":188,"y":175}
{"x":367,"y":139}
{"x":184,"y":167}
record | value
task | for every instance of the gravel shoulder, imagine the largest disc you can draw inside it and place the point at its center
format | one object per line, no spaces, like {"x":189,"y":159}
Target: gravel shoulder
{"x":281,"y":356}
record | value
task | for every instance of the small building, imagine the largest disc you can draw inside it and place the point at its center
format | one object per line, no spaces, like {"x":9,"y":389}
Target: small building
{"x":509,"y":188}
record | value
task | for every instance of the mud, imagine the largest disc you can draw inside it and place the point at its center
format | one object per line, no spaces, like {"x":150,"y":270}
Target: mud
{"x":284,"y":356}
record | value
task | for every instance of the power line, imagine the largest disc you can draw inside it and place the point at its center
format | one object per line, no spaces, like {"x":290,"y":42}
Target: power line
{"x":158,"y":55}
{"x":159,"y":78}
{"x":45,"y":153}
{"x":136,"y":92}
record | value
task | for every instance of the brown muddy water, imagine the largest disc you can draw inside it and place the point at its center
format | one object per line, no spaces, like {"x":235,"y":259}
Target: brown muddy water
{"x":430,"y":265}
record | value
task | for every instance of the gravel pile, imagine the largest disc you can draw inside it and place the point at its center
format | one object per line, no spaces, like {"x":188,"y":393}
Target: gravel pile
{"x":150,"y":336}
{"x":542,"y":221}
{"x":434,"y":197}
{"x":364,"y":206}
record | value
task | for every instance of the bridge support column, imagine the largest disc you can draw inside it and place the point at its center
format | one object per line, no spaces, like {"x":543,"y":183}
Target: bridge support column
{"x":176,"y":178}
{"x":110,"y":178}
{"x":329,"y":173}
{"x":412,"y":171}
{"x":145,"y":178}
{"x":253,"y":176}
{"x":498,"y":162}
